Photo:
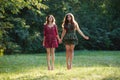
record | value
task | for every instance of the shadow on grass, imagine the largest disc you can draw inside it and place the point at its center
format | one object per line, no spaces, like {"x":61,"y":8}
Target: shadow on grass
{"x":19,"y":63}
{"x":45,"y":77}
{"x":111,"y":78}
{"x":42,"y":78}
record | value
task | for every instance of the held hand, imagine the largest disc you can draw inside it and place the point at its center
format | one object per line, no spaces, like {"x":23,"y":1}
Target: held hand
{"x":60,"y":41}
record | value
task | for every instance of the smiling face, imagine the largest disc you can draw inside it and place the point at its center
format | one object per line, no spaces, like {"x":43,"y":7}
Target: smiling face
{"x":50,"y":19}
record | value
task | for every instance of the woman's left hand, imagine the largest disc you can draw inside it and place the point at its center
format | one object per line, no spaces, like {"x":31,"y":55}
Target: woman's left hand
{"x":86,"y":37}
{"x":60,"y":41}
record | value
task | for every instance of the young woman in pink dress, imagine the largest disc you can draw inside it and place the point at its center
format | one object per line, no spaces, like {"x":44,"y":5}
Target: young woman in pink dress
{"x":51,"y":39}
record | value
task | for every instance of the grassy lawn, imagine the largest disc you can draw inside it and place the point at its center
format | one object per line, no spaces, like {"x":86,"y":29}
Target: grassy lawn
{"x":87,"y":65}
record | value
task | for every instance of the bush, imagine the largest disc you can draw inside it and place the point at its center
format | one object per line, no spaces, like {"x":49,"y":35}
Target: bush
{"x":12,"y":48}
{"x":115,"y":39}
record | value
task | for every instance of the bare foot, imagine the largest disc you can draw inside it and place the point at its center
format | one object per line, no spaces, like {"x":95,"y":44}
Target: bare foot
{"x":68,"y":67}
{"x":52,"y":68}
{"x":49,"y":68}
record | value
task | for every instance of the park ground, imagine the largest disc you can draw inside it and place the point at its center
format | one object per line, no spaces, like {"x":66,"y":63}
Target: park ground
{"x":87,"y":65}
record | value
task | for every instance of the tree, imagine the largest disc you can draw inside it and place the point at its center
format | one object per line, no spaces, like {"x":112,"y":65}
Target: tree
{"x":10,"y":18}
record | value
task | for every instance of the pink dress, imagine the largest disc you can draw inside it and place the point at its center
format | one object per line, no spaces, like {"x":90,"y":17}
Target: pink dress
{"x":51,"y":36}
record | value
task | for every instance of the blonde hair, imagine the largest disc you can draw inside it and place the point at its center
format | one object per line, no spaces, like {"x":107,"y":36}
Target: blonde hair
{"x":65,"y":21}
{"x":47,"y":19}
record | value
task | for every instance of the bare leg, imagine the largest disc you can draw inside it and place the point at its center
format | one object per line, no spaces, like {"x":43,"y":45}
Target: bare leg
{"x":67,"y":55}
{"x":53,"y":57}
{"x":71,"y":54}
{"x":48,"y":58}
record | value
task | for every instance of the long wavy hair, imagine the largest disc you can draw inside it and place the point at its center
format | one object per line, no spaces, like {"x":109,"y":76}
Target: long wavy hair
{"x":65,"y":21}
{"x":47,"y":19}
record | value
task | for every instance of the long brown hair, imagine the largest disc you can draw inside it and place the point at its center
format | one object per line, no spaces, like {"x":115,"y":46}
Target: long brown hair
{"x":65,"y":21}
{"x":47,"y":19}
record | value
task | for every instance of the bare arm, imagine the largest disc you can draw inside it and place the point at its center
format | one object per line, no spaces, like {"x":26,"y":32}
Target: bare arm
{"x":63,"y":33}
{"x":58,"y":37}
{"x":57,"y":34}
{"x":44,"y":41}
{"x":80,"y":32}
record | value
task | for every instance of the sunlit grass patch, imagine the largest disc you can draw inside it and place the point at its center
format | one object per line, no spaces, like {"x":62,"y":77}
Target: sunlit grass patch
{"x":87,"y":65}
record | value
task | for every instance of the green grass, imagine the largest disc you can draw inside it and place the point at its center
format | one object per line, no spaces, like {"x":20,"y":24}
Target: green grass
{"x":87,"y":65}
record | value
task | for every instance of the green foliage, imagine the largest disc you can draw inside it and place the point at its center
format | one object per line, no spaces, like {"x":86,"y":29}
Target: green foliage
{"x":114,"y":36}
{"x":12,"y":48}
{"x":21,"y":22}
{"x":13,"y":28}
